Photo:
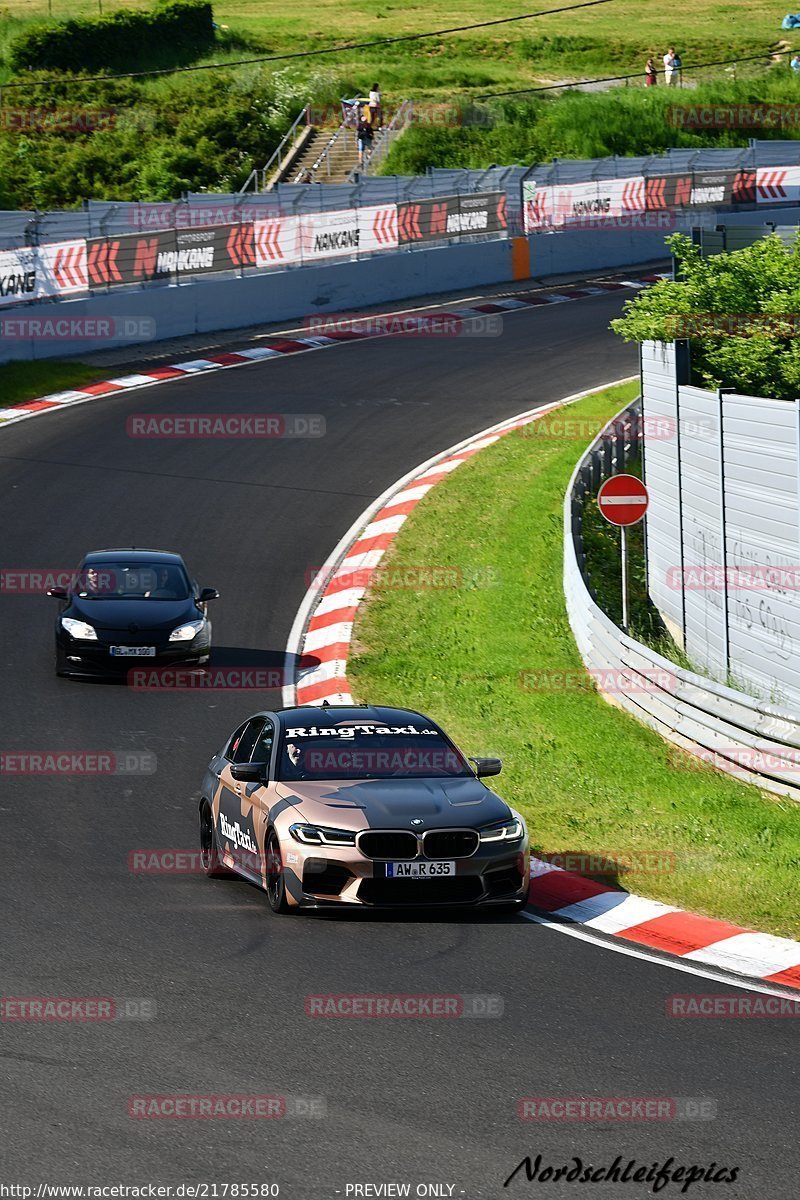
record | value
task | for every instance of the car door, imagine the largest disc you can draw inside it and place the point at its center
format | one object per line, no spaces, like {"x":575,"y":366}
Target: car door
{"x":262,"y":753}
{"x":239,"y":831}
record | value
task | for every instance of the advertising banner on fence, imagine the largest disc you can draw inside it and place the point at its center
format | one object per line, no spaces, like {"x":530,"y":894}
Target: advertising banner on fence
{"x":19,"y":276}
{"x":696,"y":189}
{"x":777,"y":184}
{"x":170,"y":253}
{"x":581,"y":203}
{"x":317,"y":236}
{"x":62,"y":268}
{"x":347,"y":232}
{"x":451,"y":216}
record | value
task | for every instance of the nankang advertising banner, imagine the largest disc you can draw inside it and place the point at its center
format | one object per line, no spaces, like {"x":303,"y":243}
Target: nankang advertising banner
{"x":452,"y":216}
{"x":347,"y":232}
{"x":19,"y":276}
{"x":169,"y":254}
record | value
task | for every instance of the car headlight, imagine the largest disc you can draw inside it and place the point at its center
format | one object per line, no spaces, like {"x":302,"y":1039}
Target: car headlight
{"x":317,"y":835}
{"x":79,"y":629}
{"x":185,"y":633}
{"x":505,"y":831}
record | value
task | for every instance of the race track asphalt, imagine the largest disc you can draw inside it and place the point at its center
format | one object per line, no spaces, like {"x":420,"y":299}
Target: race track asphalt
{"x":406,"y":1101}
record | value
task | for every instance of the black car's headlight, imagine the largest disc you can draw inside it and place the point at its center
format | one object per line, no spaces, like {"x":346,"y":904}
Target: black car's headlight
{"x":79,"y":629}
{"x":318,"y":835}
{"x":503,"y":831}
{"x":185,"y":633}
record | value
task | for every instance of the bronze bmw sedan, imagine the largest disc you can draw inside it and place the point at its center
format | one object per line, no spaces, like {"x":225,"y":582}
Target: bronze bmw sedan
{"x":360,"y":806}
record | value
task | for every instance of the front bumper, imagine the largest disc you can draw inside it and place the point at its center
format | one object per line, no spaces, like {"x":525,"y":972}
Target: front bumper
{"x":95,"y":658}
{"x":318,"y":877}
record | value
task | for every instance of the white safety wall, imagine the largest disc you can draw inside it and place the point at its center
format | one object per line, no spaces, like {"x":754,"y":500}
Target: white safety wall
{"x":723,"y":527}
{"x":659,"y":415}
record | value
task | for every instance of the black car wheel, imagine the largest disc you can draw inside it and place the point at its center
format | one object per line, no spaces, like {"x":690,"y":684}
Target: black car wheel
{"x":276,"y":883}
{"x":209,"y":854}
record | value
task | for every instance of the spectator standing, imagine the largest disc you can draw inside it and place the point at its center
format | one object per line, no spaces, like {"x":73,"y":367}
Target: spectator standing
{"x":650,"y":75}
{"x":375,"y":106}
{"x":677,"y":63}
{"x":795,"y":64}
{"x":669,"y":68}
{"x":365,"y":135}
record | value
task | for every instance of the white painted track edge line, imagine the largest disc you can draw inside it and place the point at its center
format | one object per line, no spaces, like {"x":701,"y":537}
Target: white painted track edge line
{"x":675,"y":963}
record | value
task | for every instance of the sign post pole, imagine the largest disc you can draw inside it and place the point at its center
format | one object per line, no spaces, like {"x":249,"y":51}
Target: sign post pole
{"x":622,"y":501}
{"x":625,"y":605}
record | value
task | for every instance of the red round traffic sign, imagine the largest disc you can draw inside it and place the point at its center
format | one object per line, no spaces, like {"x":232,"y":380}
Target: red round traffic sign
{"x":623,"y":500}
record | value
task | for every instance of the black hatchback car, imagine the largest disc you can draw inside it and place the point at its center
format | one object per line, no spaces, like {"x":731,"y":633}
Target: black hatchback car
{"x":127,"y":605}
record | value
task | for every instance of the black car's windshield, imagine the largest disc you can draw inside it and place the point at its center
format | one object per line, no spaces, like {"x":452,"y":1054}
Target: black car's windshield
{"x":368,"y":751}
{"x":132,"y":581}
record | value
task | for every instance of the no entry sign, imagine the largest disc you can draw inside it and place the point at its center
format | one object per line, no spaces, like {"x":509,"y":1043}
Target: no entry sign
{"x":622,"y":500}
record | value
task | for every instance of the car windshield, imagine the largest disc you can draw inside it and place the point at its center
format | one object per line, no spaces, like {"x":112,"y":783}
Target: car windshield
{"x":132,"y":581}
{"x":368,"y":751}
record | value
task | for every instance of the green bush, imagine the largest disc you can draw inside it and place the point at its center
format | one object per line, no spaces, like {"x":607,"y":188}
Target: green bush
{"x":754,"y":291}
{"x":173,"y":32}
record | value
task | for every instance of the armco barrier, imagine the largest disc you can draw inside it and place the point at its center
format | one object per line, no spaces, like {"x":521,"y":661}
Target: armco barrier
{"x":754,"y":740}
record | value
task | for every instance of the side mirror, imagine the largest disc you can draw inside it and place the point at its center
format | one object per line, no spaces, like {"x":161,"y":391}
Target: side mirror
{"x":248,"y":772}
{"x":208,"y":594}
{"x":57,"y":593}
{"x":487,"y":766}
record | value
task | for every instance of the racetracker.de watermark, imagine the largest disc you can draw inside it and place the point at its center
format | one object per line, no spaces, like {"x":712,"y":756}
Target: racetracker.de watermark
{"x":616,"y":1108}
{"x":226,"y":425}
{"x":62,"y":120}
{"x":80,"y":1009}
{"x":210,"y":1107}
{"x":761,"y":760}
{"x":437,"y":325}
{"x":607,"y":679}
{"x":27,"y":581}
{"x":77,"y":329}
{"x":716,"y":577}
{"x":733,"y":116}
{"x":207,"y":679}
{"x":755,"y":1006}
{"x":636,"y":862}
{"x":400,"y":1006}
{"x":557,"y":428}
{"x":78,"y":762}
{"x":414,"y":577}
{"x":727,"y":324}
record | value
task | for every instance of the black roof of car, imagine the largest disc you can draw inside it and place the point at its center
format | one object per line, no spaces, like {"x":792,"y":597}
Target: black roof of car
{"x":137,"y":555}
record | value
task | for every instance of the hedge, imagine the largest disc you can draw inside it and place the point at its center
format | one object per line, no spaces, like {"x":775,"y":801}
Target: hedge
{"x":174,"y":31}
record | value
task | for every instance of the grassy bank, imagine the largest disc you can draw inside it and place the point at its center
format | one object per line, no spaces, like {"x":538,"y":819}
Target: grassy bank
{"x":488,"y":659}
{"x":28,"y":381}
{"x":609,"y":38}
{"x":207,"y":130}
{"x":625,"y":121}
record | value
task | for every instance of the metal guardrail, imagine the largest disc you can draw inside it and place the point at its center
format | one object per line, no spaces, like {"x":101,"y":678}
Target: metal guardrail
{"x":752,"y":739}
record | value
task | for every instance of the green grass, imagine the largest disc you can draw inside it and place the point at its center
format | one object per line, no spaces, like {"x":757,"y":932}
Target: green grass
{"x":609,"y":39}
{"x":588,"y":777}
{"x":29,"y":381}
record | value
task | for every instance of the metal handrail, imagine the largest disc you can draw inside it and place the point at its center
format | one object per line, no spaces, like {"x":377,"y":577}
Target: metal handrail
{"x":304,"y":115}
{"x":324,"y":156}
{"x":402,"y":117}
